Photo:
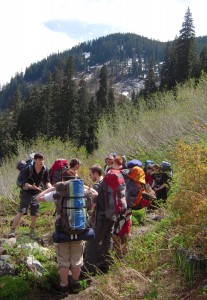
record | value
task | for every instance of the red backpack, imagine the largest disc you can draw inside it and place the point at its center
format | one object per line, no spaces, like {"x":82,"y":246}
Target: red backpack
{"x":114,"y":190}
{"x":57,"y":169}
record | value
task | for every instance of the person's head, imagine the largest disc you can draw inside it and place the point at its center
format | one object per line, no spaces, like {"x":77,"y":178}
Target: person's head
{"x":75,"y":164}
{"x":39,"y":158}
{"x":109,"y":160}
{"x":95,"y":172}
{"x":118,"y":161}
{"x":150,"y":168}
{"x":67,"y":175}
{"x":156,"y":168}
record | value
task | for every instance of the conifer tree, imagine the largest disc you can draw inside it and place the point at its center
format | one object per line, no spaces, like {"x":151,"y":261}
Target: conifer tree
{"x":14,"y":110}
{"x":102,"y":93}
{"x":30,"y":119}
{"x":56,"y":104}
{"x":111,"y":100}
{"x":45,"y":111}
{"x":150,"y":82}
{"x":203,"y":60}
{"x":68,"y":107}
{"x":186,"y":57}
{"x":92,"y":142}
{"x":167,"y":73}
{"x":83,"y":120}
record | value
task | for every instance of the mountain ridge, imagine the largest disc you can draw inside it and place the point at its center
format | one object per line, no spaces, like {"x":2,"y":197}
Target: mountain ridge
{"x":127,"y":56}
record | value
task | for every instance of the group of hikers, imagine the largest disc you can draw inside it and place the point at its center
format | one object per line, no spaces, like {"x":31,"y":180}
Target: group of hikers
{"x":110,"y":201}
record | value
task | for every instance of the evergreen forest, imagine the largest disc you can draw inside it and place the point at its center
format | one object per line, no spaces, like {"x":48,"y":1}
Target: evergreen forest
{"x":54,"y":98}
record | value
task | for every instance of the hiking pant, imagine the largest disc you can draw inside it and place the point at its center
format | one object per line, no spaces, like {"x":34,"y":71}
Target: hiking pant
{"x":97,"y":250}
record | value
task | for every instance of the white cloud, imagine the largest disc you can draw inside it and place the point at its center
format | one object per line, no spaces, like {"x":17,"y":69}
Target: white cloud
{"x":26,"y":39}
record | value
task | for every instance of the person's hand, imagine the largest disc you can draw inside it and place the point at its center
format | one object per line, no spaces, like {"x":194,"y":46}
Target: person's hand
{"x":28,"y":186}
{"x":37,"y":188}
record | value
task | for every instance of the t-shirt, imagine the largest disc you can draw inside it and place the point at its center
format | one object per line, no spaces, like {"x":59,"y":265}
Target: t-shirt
{"x":49,"y":196}
{"x":160,"y":178}
{"x":39,"y":179}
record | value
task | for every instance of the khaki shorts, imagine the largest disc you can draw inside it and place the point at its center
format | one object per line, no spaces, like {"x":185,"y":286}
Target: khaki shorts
{"x":70,"y":254}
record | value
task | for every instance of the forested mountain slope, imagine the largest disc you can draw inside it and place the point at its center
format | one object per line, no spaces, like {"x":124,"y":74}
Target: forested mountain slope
{"x":126,"y":55}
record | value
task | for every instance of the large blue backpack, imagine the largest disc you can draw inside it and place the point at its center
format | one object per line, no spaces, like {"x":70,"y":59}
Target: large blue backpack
{"x":72,"y":222}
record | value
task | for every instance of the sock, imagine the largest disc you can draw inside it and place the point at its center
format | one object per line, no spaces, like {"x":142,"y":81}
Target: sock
{"x":63,"y":285}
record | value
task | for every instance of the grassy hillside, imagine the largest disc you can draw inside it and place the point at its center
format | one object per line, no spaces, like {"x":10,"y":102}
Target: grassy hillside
{"x":160,"y":264}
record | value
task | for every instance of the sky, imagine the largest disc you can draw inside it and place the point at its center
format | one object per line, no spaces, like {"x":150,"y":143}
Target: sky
{"x":31,"y":30}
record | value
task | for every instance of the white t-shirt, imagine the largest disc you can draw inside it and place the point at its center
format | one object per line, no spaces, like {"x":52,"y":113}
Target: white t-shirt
{"x":49,"y":196}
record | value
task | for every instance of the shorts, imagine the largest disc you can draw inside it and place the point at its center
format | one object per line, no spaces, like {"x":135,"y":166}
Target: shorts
{"x":28,"y":201}
{"x":70,"y":254}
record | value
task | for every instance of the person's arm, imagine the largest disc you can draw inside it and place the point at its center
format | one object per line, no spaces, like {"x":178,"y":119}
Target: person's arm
{"x":163,"y":182}
{"x":46,"y":195}
{"x":90,"y":189}
{"x":153,"y":184}
{"x":90,"y":195}
{"x":46,"y":179}
{"x":48,"y":185}
{"x":164,"y":185}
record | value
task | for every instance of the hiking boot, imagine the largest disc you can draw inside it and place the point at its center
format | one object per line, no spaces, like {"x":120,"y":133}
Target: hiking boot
{"x":74,"y":287}
{"x":33,"y":236}
{"x":61,"y":290}
{"x":11,"y":234}
{"x":104,"y":268}
{"x":84,"y":275}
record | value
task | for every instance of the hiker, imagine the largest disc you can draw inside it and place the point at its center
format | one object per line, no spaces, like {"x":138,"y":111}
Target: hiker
{"x":96,"y":254}
{"x":96,"y":175}
{"x":31,"y":185}
{"x":69,"y":253}
{"x":148,"y":175}
{"x":74,"y":165}
{"x":160,"y":183}
{"x":122,"y":226}
{"x":108,"y":163}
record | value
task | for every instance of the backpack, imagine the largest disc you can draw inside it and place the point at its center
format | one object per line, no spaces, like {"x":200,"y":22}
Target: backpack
{"x":134,"y":163}
{"x":167,"y":168}
{"x":71,"y":209}
{"x":57,"y":169}
{"x":114,"y":194}
{"x":137,"y":195}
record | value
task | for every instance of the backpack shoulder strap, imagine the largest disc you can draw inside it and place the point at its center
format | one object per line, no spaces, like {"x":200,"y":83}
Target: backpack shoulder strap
{"x":30,"y":167}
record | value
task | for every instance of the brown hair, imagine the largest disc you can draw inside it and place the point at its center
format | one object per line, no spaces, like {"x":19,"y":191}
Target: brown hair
{"x":96,"y":168}
{"x":68,"y":174}
{"x":74,"y":162}
{"x":39,"y":155}
{"x":118,"y":160}
{"x":150,"y":167}
{"x":156,"y":166}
